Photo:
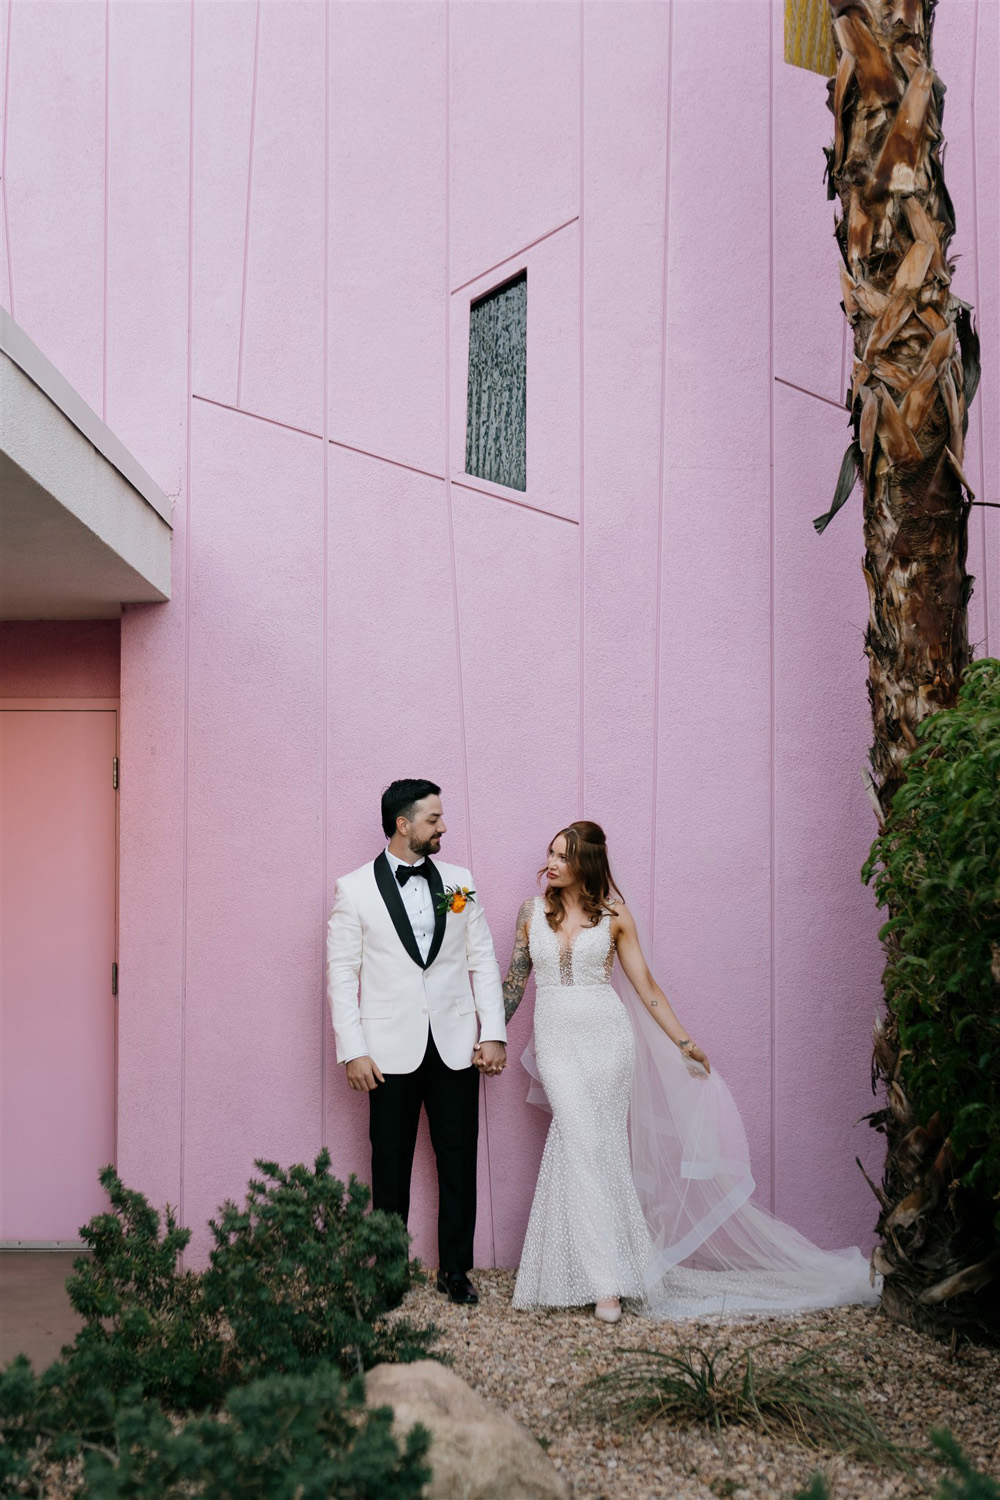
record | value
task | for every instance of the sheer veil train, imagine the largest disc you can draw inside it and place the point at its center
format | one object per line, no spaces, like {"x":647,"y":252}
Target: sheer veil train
{"x":714,"y":1250}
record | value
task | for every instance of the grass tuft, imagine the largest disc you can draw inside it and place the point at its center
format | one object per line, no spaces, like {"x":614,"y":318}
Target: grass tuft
{"x":774,"y":1384}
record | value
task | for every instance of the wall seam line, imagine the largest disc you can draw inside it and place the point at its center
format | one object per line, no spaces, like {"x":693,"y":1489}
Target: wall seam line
{"x":3,"y":159}
{"x":772,"y":1008}
{"x":514,"y":255}
{"x":324,"y":1044}
{"x":582,"y":562}
{"x":805,"y":391}
{"x":984,"y":531}
{"x":256,"y":416}
{"x":246,"y":227}
{"x":536,"y":510}
{"x":107,"y":213}
{"x":186,"y":727}
{"x":449,"y":509}
{"x":661,"y":474}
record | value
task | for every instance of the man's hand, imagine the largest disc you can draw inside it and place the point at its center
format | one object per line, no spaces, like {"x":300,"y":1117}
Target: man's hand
{"x":362,"y":1074}
{"x":490,"y":1058}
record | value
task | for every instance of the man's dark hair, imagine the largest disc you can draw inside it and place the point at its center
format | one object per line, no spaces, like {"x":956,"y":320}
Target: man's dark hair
{"x":401,"y":797}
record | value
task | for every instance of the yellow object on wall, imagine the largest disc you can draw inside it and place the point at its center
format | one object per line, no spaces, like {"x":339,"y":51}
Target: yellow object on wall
{"x":808,"y":36}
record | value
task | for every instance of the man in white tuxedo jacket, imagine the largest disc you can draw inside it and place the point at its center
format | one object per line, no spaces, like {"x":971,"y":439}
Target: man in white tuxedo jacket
{"x":418,"y":1014}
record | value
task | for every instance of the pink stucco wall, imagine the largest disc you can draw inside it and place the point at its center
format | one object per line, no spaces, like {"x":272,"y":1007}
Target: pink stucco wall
{"x":250,"y":234}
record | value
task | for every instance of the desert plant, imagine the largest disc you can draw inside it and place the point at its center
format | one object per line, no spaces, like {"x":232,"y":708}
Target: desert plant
{"x":299,"y":1284}
{"x":966,"y":1483}
{"x":283,"y":1437}
{"x":915,"y":373}
{"x":144,"y":1317}
{"x":815,"y":1490}
{"x":303,"y":1272}
{"x":773,"y":1383}
{"x":916,"y":366}
{"x":936,"y":870}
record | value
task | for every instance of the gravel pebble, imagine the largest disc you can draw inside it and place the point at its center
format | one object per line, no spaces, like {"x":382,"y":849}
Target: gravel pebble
{"x":532,"y":1364}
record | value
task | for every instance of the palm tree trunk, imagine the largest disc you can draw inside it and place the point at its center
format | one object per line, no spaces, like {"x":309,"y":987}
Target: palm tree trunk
{"x":915,"y":371}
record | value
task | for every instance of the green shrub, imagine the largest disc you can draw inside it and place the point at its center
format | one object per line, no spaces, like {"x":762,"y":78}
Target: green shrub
{"x":968,"y":1483}
{"x":283,"y":1437}
{"x":298,"y":1276}
{"x":815,"y":1490}
{"x":145,"y":1322}
{"x":936,"y":868}
{"x":303,"y":1273}
{"x":298,"y":1286}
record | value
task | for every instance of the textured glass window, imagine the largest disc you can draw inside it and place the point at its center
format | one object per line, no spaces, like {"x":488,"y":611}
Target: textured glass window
{"x":808,"y":36}
{"x":496,"y":427}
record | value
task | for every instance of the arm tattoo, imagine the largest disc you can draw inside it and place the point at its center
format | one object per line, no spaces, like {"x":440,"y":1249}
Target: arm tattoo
{"x":520,"y":964}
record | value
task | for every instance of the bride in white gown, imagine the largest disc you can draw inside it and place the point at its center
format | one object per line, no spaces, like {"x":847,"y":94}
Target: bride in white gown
{"x":644,"y":1187}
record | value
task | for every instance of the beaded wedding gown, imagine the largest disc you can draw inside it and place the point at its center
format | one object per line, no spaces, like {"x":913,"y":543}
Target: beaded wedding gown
{"x":644,"y":1186}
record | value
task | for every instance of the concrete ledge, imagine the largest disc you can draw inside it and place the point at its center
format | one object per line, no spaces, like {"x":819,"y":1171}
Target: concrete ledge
{"x":83,"y":528}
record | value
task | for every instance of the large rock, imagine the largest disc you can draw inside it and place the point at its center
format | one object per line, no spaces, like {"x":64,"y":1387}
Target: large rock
{"x":477,"y":1453}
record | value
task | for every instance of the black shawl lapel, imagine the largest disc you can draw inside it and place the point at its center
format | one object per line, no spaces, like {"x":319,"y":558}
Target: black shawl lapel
{"x":389,"y":891}
{"x":440,"y":915}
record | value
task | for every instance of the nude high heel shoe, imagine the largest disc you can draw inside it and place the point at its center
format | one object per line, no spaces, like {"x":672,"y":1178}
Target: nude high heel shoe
{"x":608,"y":1309}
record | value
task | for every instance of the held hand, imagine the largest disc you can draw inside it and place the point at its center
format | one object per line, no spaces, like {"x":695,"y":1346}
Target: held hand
{"x":490,"y":1058}
{"x":363,"y":1074}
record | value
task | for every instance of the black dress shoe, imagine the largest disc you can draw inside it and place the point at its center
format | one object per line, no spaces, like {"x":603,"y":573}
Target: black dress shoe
{"x":457,"y":1287}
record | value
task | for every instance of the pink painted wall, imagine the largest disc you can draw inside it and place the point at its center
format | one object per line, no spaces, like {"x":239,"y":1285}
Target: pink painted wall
{"x":281,"y":212}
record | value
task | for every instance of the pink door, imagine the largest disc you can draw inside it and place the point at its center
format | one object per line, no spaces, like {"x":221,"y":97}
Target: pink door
{"x":57,"y":933}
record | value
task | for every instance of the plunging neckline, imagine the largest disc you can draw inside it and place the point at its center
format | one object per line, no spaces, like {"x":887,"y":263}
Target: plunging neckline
{"x":568,"y":947}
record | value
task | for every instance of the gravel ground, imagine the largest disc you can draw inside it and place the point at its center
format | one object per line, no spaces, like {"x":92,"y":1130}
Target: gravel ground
{"x":533,"y":1364}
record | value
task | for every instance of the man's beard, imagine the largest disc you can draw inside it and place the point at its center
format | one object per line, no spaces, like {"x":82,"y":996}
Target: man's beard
{"x":426,"y":847}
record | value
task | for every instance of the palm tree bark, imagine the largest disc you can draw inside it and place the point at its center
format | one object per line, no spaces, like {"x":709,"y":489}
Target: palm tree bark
{"x":915,"y":371}
{"x":909,"y":389}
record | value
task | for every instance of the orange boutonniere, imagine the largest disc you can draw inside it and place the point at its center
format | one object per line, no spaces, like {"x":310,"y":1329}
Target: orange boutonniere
{"x":454,"y":898}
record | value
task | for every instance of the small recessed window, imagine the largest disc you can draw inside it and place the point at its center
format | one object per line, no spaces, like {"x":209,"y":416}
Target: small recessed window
{"x":496,"y":427}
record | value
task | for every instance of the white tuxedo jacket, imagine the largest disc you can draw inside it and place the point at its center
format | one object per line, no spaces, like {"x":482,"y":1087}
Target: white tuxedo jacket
{"x":383,"y":996}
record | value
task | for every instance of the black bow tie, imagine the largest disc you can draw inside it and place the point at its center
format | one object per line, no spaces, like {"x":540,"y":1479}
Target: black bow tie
{"x":404,"y":872}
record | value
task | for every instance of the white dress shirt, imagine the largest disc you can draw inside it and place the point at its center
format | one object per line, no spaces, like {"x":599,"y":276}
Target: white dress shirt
{"x":418,"y":902}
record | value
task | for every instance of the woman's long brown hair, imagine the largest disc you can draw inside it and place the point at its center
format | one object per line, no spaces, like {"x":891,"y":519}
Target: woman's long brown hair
{"x":587,"y":857}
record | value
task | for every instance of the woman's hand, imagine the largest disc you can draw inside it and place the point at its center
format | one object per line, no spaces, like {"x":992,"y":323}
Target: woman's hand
{"x":695,"y":1052}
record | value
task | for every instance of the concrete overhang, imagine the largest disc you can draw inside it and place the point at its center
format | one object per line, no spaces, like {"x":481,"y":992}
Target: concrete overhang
{"x":83,"y":528}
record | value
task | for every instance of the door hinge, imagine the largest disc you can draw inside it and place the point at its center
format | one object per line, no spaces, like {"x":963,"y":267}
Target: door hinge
{"x":114,"y":773}
{"x":114,"y":979}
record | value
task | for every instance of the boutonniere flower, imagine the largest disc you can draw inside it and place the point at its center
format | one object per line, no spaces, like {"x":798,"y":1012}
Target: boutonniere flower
{"x":454,"y":898}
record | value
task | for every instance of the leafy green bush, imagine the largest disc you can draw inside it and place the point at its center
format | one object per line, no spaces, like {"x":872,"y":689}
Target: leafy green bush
{"x":300,"y":1275}
{"x":284,"y":1437}
{"x":298,"y":1286}
{"x":936,"y":868}
{"x":815,"y":1490}
{"x":303,"y":1273}
{"x":967,"y":1483}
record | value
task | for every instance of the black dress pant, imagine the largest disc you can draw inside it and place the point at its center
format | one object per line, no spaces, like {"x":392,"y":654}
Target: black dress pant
{"x":451,"y":1098}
